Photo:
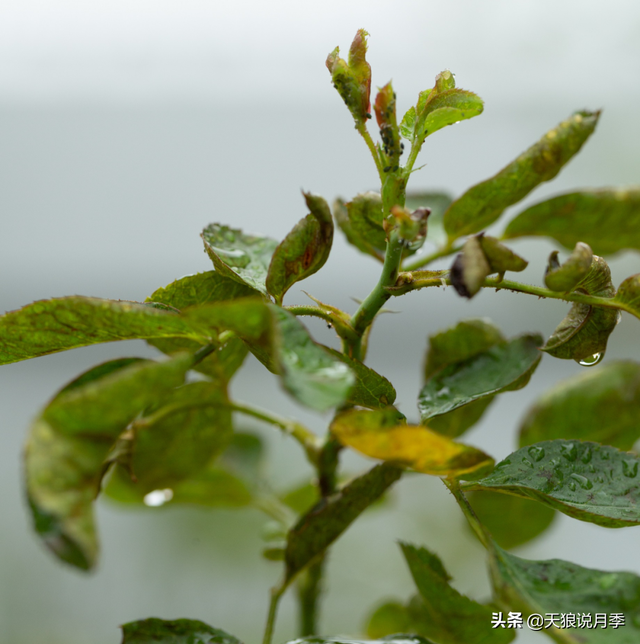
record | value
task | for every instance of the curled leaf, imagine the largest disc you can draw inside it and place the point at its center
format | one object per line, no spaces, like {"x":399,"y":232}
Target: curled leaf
{"x":385,"y":110}
{"x":361,"y":221}
{"x":303,"y":251}
{"x":567,"y":276}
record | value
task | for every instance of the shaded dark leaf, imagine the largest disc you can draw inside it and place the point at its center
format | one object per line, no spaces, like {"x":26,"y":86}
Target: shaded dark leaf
{"x":178,"y":631}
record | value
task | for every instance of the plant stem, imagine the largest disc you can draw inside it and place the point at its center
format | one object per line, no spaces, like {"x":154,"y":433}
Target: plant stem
{"x":276,"y":593}
{"x":314,"y":311}
{"x":362,"y":129}
{"x":309,"y":590}
{"x":309,"y":441}
{"x":367,"y":311}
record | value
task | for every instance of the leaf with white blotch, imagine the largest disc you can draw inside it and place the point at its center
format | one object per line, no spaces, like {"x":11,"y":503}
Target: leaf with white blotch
{"x":196,"y":290}
{"x":49,"y":326}
{"x":382,"y":434}
{"x":585,"y":330}
{"x":370,"y":389}
{"x":505,"y":366}
{"x":483,"y":203}
{"x":602,"y":405}
{"x":511,"y":520}
{"x":327,"y":520}
{"x":607,"y":219}
{"x":240,"y":256}
{"x":585,"y":480}
{"x":462,"y":342}
{"x":309,"y":372}
{"x":72,"y":437}
{"x":177,"y":631}
{"x":303,"y":251}
{"x":445,"y":615}
{"x":555,"y":587}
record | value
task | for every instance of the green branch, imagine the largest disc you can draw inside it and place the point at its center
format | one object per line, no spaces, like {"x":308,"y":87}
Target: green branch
{"x":276,"y":593}
{"x":419,"y":262}
{"x":468,"y":512}
{"x":362,"y":129}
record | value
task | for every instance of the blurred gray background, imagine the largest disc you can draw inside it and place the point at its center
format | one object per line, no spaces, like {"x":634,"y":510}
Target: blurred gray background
{"x":126,"y":127}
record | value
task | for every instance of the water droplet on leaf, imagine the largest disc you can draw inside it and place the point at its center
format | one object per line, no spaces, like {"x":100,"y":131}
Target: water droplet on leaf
{"x":572,"y":486}
{"x":233,"y":257}
{"x":536,"y":453}
{"x":582,"y":481}
{"x":569,"y":451}
{"x":630,"y":468}
{"x":158,"y":497}
{"x":527,"y":462}
{"x":591,"y":361}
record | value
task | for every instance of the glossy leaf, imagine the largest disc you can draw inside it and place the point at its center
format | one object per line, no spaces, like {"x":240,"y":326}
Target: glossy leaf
{"x":503,"y":367}
{"x":466,"y":340}
{"x":584,"y":480}
{"x":239,"y":256}
{"x":447,"y":616}
{"x":602,"y":405}
{"x":196,"y":290}
{"x":303,"y":251}
{"x":326,"y":521}
{"x":49,"y":326}
{"x":309,"y":372}
{"x":567,"y":276}
{"x":556,"y":587}
{"x":178,"y":631}
{"x":511,"y":520}
{"x":482,"y":204}
{"x":445,"y":108}
{"x":585,"y":330}
{"x":71,"y":439}
{"x":382,"y":435}
{"x":608,"y":220}
{"x":370,"y":389}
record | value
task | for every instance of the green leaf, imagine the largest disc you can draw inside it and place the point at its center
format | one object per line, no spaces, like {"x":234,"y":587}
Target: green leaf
{"x":309,"y":372}
{"x":242,"y":257}
{"x":466,"y":340}
{"x":602,"y":405}
{"x":398,"y":638}
{"x":447,"y":616}
{"x":196,"y":290}
{"x":391,"y":617}
{"x":408,"y":124}
{"x":326,"y":521}
{"x":361,"y":221}
{"x":556,"y":587}
{"x":437,"y":202}
{"x":482,"y":204}
{"x":70,"y":440}
{"x":505,"y":366}
{"x":370,"y":389}
{"x":446,"y":108}
{"x":628,"y":295}
{"x":608,"y":220}
{"x":567,"y":276}
{"x":381,"y":434}
{"x":303,"y":251}
{"x":584,"y":480}
{"x":583,"y":333}
{"x":511,"y":520}
{"x":178,"y":631}
{"x":48,"y":326}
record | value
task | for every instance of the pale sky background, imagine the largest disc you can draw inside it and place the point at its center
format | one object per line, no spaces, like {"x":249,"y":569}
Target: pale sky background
{"x":125,"y":127}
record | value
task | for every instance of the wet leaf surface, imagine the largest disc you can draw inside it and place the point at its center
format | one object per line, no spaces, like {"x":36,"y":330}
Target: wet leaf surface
{"x":239,"y":256}
{"x":584,"y":480}
{"x":601,"y":405}
{"x":178,"y":631}
{"x":608,"y":220}
{"x":504,"y":366}
{"x":557,"y":587}
{"x":483,"y":203}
